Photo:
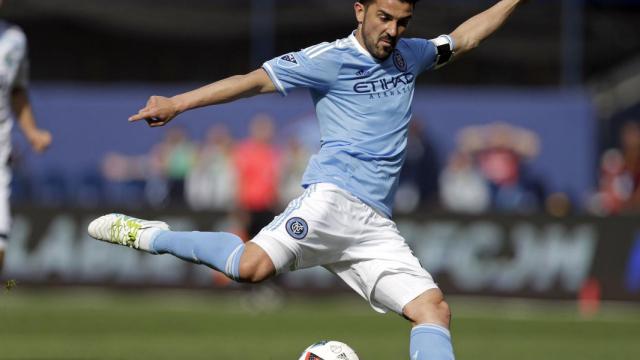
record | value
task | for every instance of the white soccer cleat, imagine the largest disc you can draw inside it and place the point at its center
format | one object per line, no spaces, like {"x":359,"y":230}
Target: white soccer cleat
{"x":122,"y":229}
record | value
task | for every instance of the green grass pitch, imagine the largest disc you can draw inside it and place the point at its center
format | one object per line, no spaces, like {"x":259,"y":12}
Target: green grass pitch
{"x":161,"y":325}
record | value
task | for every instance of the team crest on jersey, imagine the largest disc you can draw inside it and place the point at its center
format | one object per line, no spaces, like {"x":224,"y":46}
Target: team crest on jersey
{"x":288,"y":61}
{"x":297,"y":228}
{"x":398,"y":61}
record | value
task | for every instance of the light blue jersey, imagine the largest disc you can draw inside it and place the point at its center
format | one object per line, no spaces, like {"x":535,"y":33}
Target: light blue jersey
{"x":363,"y":108}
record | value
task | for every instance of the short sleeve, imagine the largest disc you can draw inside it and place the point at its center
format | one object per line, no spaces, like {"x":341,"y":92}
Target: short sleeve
{"x":425,"y":53}
{"x":432,"y":54}
{"x":314,"y":68}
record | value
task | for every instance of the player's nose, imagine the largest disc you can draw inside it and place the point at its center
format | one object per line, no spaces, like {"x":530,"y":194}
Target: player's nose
{"x":392,"y":29}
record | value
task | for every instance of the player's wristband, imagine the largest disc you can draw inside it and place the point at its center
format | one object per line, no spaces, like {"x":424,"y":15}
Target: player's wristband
{"x":445,"y":48}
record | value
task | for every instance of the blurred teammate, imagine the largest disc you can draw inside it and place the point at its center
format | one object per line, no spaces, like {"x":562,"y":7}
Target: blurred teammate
{"x":257,"y":162}
{"x":14,"y":98}
{"x":362,"y":87}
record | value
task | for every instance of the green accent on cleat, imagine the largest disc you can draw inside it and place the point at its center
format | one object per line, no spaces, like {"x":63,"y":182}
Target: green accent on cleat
{"x":125,"y":230}
{"x":122,"y":229}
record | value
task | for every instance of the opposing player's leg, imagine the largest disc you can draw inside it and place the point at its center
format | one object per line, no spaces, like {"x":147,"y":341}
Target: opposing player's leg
{"x":3,"y":245}
{"x":224,"y":252}
{"x":5,"y":213}
{"x":430,"y":336}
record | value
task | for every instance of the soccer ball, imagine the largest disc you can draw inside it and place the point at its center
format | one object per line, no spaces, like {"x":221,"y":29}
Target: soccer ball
{"x":329,"y":350}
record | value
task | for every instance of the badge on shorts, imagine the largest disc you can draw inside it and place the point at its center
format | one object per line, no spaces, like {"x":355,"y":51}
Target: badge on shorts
{"x":297,"y":228}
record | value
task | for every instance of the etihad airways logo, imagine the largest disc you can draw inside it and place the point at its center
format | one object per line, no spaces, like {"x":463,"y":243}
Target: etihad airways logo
{"x":385,"y":84}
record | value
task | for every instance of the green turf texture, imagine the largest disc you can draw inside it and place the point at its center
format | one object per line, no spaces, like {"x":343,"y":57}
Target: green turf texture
{"x":161,"y":325}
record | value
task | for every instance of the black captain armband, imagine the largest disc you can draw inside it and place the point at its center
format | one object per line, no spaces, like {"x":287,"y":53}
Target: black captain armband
{"x":445,"y":50}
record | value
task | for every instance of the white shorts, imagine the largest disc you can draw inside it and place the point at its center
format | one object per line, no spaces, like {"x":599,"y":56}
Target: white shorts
{"x":328,"y":226}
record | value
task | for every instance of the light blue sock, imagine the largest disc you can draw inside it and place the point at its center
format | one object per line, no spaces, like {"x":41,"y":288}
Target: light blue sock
{"x":430,"y":342}
{"x":219,"y":251}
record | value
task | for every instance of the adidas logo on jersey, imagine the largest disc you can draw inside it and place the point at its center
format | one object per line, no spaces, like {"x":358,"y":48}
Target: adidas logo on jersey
{"x":363,"y":73}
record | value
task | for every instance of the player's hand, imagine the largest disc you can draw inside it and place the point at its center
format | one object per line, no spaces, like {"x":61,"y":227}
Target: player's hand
{"x":40,"y":140}
{"x":158,"y":111}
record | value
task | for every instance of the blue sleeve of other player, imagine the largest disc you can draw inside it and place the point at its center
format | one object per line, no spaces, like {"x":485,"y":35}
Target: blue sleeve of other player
{"x":313,"y":68}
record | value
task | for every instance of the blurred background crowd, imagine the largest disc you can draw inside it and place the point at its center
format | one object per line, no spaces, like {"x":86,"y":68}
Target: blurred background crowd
{"x":488,"y":170}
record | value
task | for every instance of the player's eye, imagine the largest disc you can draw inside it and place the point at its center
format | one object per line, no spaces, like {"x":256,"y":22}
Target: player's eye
{"x":385,"y":17}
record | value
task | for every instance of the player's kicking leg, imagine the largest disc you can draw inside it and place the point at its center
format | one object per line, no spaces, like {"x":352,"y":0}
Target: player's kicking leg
{"x":224,"y":252}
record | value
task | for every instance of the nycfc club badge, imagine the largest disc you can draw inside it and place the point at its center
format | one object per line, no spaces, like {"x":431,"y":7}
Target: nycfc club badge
{"x":398,"y":61}
{"x":297,"y":228}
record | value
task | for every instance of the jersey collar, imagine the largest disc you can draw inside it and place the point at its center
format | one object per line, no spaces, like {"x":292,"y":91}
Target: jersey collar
{"x":359,"y":47}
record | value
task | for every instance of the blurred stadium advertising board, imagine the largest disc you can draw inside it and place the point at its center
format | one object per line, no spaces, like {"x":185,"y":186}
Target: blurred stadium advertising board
{"x":523,"y":256}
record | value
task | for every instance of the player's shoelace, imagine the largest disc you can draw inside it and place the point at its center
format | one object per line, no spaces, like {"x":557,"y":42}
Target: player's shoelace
{"x":125,"y":231}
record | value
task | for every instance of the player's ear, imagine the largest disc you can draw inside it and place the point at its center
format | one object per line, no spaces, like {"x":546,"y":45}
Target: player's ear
{"x":359,"y":9}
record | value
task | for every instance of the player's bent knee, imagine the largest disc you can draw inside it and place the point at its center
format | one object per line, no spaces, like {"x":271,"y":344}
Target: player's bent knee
{"x":430,"y":313}
{"x":429,"y":308}
{"x":251,"y":273}
{"x":255,"y":265}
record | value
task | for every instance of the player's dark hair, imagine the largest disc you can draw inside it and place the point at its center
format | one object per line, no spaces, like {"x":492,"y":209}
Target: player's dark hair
{"x":368,"y":2}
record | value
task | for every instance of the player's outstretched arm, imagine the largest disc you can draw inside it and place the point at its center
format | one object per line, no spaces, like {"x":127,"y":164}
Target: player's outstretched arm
{"x":160,"y":110}
{"x":473,"y":31}
{"x":38,"y":138}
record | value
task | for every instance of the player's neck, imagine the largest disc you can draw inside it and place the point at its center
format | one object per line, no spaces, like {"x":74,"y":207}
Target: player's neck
{"x":360,"y":43}
{"x":360,"y":38}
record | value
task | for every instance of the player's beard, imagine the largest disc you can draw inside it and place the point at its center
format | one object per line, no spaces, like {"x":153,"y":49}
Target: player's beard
{"x":376,"y":46}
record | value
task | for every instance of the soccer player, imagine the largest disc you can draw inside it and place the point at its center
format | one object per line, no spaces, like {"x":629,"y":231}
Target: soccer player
{"x":14,"y":98}
{"x":362,"y":87}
